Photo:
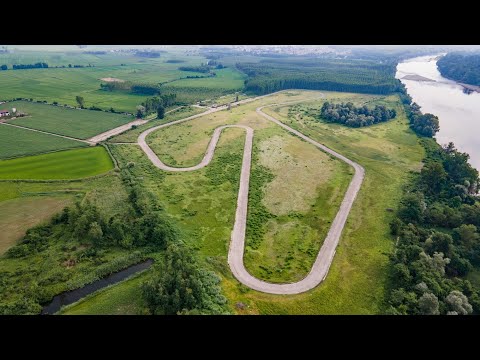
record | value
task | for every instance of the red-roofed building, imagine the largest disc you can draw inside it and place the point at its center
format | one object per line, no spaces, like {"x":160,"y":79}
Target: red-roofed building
{"x":4,"y":113}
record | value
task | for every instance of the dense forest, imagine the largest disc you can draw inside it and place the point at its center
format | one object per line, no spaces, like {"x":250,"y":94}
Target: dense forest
{"x":438,"y":238}
{"x":461,"y":67}
{"x":360,"y":76}
{"x":350,"y":115}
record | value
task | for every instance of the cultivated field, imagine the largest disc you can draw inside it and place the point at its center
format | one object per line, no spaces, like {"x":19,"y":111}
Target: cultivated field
{"x":70,"y":164}
{"x":81,"y":124}
{"x":63,"y":84}
{"x":15,"y":142}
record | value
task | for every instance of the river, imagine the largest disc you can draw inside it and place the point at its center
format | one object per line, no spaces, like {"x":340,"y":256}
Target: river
{"x":458,"y":113}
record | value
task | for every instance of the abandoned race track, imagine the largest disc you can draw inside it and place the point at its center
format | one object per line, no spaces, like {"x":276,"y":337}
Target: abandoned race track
{"x":326,"y":254}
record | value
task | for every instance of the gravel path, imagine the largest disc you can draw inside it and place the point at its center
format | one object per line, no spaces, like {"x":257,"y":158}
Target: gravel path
{"x":116,"y":131}
{"x":325,"y":256}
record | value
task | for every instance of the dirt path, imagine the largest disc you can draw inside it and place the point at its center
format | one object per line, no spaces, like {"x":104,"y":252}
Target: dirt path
{"x":236,"y":250}
{"x":44,"y":132}
{"x":116,"y":131}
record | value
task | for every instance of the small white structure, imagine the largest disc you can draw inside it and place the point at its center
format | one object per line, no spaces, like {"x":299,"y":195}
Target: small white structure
{"x":14,"y":110}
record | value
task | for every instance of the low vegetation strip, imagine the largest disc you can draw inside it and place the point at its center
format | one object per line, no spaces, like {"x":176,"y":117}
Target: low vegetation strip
{"x":70,"y":164}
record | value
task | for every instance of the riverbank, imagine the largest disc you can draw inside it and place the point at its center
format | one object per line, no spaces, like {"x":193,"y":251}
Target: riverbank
{"x":70,"y":297}
{"x":457,"y":105}
{"x":469,"y":87}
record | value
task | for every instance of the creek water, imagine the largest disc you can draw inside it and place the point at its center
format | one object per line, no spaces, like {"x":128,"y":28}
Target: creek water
{"x":69,"y":297}
{"x":458,"y":112}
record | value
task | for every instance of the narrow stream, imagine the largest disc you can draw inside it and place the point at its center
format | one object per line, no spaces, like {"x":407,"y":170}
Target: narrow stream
{"x":69,"y":297}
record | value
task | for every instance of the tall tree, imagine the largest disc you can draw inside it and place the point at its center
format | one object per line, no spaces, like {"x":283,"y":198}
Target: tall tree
{"x":160,"y":111}
{"x":428,"y":304}
{"x":80,"y":100}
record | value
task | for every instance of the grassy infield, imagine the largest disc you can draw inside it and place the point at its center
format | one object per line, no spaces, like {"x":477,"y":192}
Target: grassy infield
{"x":204,"y":202}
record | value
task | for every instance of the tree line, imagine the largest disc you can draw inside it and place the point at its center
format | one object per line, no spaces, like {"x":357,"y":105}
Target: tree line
{"x":39,"y":65}
{"x":437,"y":227}
{"x":134,"y":88}
{"x":352,"y":116}
{"x":423,"y":124}
{"x":461,"y":67}
{"x":200,"y":69}
{"x":156,"y":104}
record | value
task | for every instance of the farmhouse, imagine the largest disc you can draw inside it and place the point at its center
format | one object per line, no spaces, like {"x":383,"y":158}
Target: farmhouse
{"x":4,"y":113}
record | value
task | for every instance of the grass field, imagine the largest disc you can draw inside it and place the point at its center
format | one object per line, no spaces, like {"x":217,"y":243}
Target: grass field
{"x":81,"y":124}
{"x":203,"y":202}
{"x":15,"y":142}
{"x":69,"y":164}
{"x":124,"y":298}
{"x":63,"y":84}
{"x":132,"y":135}
{"x":18,"y":215}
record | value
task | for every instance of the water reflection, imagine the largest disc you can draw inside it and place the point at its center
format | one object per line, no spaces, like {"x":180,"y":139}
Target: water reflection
{"x":458,"y":112}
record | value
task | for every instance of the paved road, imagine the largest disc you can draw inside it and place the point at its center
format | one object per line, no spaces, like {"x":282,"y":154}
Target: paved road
{"x":325,"y":256}
{"x":44,"y":132}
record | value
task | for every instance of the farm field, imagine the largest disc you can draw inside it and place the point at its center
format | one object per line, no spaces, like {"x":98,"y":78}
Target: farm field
{"x":69,"y":164}
{"x":357,"y":278}
{"x":18,"y":215}
{"x":63,"y":84}
{"x":81,"y":124}
{"x":15,"y":142}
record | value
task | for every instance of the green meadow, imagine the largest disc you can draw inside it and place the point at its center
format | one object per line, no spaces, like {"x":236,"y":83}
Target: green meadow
{"x":69,"y":164}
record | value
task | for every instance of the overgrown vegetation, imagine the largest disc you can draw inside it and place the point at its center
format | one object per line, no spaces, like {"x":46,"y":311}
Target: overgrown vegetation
{"x":350,"y":115}
{"x":93,"y":243}
{"x":461,"y":67}
{"x":179,"y":286}
{"x":438,"y":242}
